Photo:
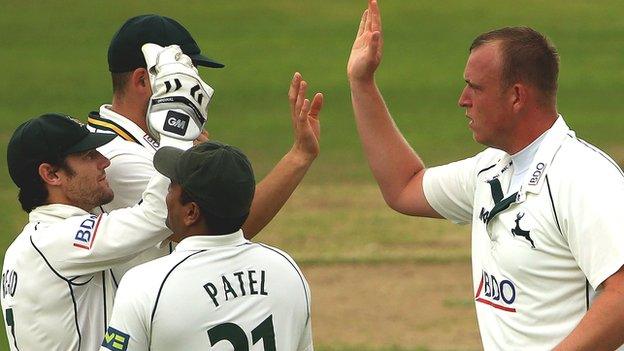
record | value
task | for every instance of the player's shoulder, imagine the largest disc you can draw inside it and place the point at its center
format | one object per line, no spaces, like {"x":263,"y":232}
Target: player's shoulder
{"x":483,"y":161}
{"x":121,"y":147}
{"x":271,"y":254}
{"x":579,"y":160}
{"x":489,"y":156}
{"x":150,"y":274}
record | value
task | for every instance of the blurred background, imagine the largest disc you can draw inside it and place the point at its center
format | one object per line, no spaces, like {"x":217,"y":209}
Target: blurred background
{"x":380,"y":280}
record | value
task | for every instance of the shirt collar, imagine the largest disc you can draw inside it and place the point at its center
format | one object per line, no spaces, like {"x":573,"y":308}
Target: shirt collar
{"x":551,"y":141}
{"x":110,"y":120}
{"x":55,"y":213}
{"x":554,"y":138}
{"x":523,"y":158}
{"x":202,"y":242}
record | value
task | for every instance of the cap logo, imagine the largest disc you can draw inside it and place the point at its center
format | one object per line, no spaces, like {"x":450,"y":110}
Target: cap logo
{"x":176,"y":122}
{"x":75,"y":120}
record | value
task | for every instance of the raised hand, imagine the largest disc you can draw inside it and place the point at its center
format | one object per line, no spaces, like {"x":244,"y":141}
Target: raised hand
{"x":367,"y":48}
{"x":305,"y":118}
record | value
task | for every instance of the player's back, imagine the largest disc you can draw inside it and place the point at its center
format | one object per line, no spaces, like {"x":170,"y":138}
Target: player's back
{"x":205,"y":297}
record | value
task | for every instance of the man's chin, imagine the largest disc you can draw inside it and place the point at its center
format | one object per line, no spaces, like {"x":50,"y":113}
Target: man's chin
{"x":107,"y":199}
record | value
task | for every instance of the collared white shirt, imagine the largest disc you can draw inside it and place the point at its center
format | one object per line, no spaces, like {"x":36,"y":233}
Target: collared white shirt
{"x":538,"y":255}
{"x":209,"y":294}
{"x":57,"y":287}
{"x":131,"y":155}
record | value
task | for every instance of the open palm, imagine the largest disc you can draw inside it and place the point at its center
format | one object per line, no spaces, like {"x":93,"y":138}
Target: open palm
{"x":367,"y":48}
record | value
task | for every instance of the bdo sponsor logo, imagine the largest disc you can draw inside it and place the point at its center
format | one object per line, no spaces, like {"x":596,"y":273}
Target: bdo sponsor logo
{"x":496,"y":292}
{"x":537,"y":174}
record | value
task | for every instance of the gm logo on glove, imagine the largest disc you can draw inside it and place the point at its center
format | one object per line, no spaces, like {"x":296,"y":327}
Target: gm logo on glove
{"x":176,"y":122}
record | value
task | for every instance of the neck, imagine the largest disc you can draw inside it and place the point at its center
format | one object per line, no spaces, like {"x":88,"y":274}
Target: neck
{"x":59,"y":198}
{"x":131,"y":109}
{"x":186,"y":232}
{"x":529,"y":128}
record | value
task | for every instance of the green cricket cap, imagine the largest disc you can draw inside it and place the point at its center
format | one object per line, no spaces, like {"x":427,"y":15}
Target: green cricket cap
{"x":48,"y":138}
{"x":217,"y":176}
{"x":124,"y":51}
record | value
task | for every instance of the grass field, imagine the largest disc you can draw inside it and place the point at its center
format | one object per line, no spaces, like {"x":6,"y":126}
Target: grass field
{"x":380,"y":281}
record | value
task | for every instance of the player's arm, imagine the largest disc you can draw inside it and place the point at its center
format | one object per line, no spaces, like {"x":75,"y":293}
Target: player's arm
{"x":273,"y":191}
{"x":91,"y":243}
{"x":129,"y":327}
{"x":602,"y":327}
{"x":306,"y":340}
{"x":589,"y":217}
{"x":396,"y":167}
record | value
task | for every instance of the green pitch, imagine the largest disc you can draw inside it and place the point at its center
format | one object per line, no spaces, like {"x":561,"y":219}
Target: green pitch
{"x":53,"y":58}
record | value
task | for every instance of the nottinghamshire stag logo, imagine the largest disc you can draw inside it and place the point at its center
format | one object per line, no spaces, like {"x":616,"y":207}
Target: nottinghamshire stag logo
{"x":517,"y":231}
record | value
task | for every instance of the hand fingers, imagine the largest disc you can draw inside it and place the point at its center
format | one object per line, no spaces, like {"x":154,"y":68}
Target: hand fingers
{"x":293,"y":91}
{"x":368,"y":24}
{"x":362,"y":23}
{"x":305,"y":109}
{"x":316,"y":105}
{"x":375,"y":16}
{"x":303,"y":86}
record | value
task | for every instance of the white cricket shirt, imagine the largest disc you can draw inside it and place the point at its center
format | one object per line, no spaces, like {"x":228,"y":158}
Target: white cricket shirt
{"x":131,"y":155}
{"x":211,"y":293}
{"x":539,"y":254}
{"x":57,"y":287}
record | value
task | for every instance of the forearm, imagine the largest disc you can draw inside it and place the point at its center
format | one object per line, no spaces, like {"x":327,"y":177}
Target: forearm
{"x":602,"y":327}
{"x":392,"y":161}
{"x":275,"y":189}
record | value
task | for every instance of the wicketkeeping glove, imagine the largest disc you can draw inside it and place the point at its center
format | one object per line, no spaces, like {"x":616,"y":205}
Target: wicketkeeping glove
{"x":179,"y":103}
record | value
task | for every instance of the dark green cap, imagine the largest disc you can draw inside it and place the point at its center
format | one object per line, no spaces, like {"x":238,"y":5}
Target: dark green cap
{"x":217,"y":176}
{"x":48,"y":138}
{"x":124,"y":52}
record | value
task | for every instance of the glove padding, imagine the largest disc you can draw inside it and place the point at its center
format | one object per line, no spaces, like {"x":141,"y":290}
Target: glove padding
{"x":179,"y":103}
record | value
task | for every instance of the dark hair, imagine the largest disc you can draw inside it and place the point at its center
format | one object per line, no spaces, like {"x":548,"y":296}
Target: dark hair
{"x":34,"y":193}
{"x":119,"y":81}
{"x":216,"y":225}
{"x":527,"y":56}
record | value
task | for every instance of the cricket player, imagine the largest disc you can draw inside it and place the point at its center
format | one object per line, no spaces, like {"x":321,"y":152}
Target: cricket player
{"x":547,"y":243}
{"x":57,"y":281}
{"x":132,"y":152}
{"x":57,"y":289}
{"x":217,"y":290}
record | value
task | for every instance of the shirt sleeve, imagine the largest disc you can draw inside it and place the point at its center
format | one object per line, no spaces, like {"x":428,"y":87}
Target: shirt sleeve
{"x":130,"y":322}
{"x":90,"y":243}
{"x":305,"y":343}
{"x":590,"y":213}
{"x":449,"y":189}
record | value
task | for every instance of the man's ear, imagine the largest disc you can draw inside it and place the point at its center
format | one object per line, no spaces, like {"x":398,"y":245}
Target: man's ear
{"x":48,"y":173}
{"x":518,"y":97}
{"x":140,"y":80}
{"x":192,"y":214}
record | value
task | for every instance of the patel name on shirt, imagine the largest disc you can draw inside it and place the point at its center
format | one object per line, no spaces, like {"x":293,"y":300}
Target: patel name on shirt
{"x":236,"y":284}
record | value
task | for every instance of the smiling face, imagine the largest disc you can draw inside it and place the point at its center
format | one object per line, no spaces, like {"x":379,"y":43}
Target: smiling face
{"x":84,"y":183}
{"x":487,"y":103}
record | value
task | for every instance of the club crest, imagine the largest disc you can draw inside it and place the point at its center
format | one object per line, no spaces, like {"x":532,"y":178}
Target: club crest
{"x":517,"y":231}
